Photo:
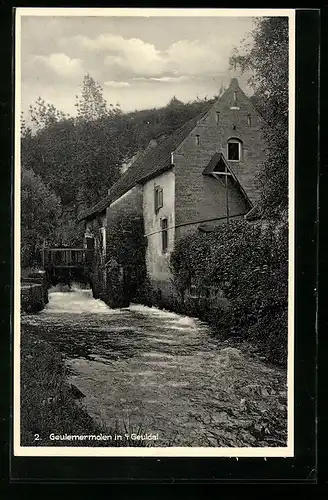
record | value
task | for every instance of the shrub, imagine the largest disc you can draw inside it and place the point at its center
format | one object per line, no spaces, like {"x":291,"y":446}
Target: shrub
{"x":248,"y":264}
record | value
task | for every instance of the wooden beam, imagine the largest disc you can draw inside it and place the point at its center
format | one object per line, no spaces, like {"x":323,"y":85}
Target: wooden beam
{"x":221,"y":173}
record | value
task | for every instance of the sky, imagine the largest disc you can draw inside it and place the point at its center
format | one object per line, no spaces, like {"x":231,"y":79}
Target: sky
{"x":141,"y":62}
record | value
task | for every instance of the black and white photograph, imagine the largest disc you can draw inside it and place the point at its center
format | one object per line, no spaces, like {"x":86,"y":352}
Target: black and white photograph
{"x":154,"y":232}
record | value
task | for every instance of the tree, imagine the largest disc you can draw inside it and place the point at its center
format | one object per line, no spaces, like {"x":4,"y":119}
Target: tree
{"x":44,"y":114}
{"x":40,"y":216}
{"x":78,"y":158}
{"x":91,"y":104}
{"x":99,"y":151}
{"x":267,"y":60}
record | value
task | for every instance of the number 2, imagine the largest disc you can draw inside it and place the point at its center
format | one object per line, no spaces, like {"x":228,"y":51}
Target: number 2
{"x":36,"y":437}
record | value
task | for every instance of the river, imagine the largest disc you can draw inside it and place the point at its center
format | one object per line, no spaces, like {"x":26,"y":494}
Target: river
{"x":165,"y":373}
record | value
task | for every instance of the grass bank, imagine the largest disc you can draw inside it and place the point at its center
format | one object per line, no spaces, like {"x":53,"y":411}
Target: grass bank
{"x":48,"y":405}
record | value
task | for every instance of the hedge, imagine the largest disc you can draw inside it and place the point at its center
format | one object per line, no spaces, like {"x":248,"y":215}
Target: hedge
{"x":239,"y":276}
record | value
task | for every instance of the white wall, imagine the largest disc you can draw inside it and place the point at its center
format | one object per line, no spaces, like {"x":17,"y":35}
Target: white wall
{"x":157,"y":262}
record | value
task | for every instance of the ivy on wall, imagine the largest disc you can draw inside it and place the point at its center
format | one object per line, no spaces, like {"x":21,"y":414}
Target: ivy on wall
{"x":126,"y":275}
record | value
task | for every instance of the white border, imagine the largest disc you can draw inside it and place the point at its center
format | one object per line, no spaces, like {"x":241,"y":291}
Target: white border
{"x":18,"y":450}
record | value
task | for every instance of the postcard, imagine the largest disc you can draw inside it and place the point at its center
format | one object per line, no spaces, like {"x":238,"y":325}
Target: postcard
{"x":154,"y":232}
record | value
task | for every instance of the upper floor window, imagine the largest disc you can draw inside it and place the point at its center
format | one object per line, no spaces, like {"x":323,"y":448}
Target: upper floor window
{"x":234,"y":150}
{"x":158,"y":198}
{"x":217,"y":116}
{"x":197,"y":140}
{"x":165,"y":237}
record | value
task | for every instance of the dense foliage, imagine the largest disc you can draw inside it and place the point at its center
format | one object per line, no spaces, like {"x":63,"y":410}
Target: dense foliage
{"x":40,"y":220}
{"x":126,"y":247}
{"x":248,"y":263}
{"x":79,"y":158}
{"x":267,"y":61}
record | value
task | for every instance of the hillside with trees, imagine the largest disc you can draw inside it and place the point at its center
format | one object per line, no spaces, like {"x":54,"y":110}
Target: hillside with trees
{"x":77,"y":159}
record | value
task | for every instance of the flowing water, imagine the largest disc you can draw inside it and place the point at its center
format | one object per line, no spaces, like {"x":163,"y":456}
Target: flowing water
{"x":165,"y":372}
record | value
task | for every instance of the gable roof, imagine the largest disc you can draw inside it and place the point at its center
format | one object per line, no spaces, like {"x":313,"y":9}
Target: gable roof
{"x":151,"y":162}
{"x":157,"y":159}
{"x":219,"y":158}
{"x":253,"y":214}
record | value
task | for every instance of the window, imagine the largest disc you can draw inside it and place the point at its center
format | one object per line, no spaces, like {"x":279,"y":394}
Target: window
{"x":102,"y":231}
{"x":249,"y":120}
{"x":217,"y":117}
{"x":197,"y":140}
{"x":158,"y":198}
{"x":235,"y":97}
{"x":164,"y":235}
{"x":234,"y":150}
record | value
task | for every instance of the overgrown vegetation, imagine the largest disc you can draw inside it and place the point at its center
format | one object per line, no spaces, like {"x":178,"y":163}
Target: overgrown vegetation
{"x":48,"y":406}
{"x":40,"y":219}
{"x":126,"y":250}
{"x":77,"y":159}
{"x":248,"y":264}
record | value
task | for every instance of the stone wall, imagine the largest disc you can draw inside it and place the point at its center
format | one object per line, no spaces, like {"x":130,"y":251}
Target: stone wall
{"x":200,"y":197}
{"x":129,"y":203}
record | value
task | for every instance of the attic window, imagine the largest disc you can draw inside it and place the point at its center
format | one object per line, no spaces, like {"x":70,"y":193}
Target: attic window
{"x":220,"y":168}
{"x":158,"y":198}
{"x":197,"y":140}
{"x":234,"y":150}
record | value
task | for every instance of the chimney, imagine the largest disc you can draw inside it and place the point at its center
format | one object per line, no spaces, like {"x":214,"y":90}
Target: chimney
{"x":234,"y":87}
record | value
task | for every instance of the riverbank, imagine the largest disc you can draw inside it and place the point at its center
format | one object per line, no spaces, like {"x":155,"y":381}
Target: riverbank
{"x":50,"y":407}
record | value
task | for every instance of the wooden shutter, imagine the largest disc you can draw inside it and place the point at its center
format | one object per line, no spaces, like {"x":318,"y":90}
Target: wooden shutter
{"x":160,"y":197}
